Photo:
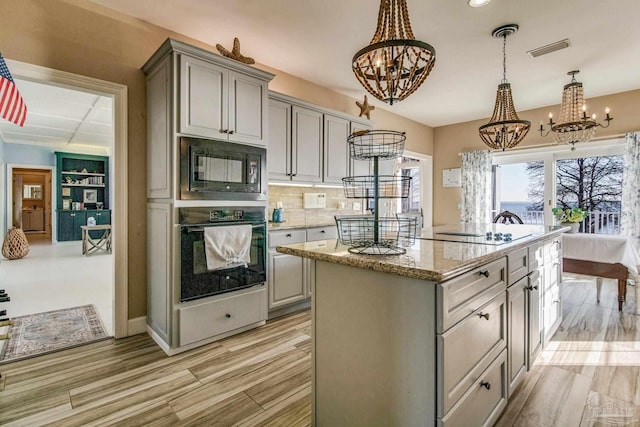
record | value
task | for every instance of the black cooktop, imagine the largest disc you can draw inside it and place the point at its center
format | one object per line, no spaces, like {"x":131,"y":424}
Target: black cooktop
{"x":481,"y":234}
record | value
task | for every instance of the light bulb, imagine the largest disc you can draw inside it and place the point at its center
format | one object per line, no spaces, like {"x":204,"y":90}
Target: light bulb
{"x":584,"y":108}
{"x":378,"y":62}
{"x":606,"y":110}
{"x":551,"y":115}
{"x":593,"y":116}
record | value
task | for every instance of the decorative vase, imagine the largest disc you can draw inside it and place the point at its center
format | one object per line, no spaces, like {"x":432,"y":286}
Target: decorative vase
{"x":575,"y":226}
{"x":15,"y":245}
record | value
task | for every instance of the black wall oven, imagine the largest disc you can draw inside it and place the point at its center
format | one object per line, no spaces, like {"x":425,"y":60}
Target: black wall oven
{"x":219,"y":170}
{"x":196,"y":281}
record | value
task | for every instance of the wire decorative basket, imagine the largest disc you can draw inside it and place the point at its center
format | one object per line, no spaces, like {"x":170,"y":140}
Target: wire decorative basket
{"x":365,"y":234}
{"x":383,"y":144}
{"x":364,"y":187}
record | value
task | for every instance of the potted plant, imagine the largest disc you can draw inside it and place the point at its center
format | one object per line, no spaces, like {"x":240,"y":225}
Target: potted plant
{"x":570,"y":216}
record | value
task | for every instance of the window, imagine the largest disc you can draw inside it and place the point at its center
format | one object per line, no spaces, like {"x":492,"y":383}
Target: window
{"x":530,"y":182}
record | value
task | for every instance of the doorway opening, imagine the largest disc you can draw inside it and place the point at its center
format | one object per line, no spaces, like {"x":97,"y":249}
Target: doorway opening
{"x":31,"y":204}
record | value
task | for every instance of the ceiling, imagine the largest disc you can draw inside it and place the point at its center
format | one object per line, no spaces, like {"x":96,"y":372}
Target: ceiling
{"x":316,"y":40}
{"x":62,"y":118}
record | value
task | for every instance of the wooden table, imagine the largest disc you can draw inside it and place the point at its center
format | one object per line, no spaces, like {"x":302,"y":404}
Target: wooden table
{"x":609,"y":256}
{"x":90,"y":245}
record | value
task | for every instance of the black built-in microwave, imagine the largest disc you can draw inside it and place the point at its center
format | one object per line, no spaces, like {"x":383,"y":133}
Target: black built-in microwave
{"x":219,"y":170}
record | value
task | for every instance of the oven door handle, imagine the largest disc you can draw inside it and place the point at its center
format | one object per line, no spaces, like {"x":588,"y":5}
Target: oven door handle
{"x":200,"y":229}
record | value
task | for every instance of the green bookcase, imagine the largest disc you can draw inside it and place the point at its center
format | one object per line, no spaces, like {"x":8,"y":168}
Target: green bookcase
{"x":82,"y":186}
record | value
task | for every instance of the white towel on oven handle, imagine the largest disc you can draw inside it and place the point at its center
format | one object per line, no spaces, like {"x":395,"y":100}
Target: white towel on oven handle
{"x":227,"y":246}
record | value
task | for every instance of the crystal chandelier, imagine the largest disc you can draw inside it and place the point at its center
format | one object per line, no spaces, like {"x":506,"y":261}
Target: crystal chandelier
{"x":394,"y":64}
{"x":505,"y":129}
{"x":574,"y":125}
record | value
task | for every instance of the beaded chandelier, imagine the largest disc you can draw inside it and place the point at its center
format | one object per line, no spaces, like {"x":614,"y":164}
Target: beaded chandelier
{"x":394,"y":64}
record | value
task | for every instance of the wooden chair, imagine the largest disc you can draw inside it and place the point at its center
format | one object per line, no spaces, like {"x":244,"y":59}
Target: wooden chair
{"x":506,"y":217}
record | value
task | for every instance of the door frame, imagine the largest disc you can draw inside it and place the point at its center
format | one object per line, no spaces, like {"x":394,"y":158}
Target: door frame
{"x":10,"y":171}
{"x":426,"y":181}
{"x":118,"y":93}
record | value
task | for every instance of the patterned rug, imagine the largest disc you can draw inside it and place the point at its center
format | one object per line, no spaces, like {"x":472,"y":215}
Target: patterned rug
{"x":41,"y":333}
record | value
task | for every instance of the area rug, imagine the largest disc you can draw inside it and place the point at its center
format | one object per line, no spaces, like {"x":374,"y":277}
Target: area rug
{"x":41,"y":333}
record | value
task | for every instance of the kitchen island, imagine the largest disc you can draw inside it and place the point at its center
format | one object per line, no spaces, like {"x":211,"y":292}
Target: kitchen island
{"x":440,"y":335}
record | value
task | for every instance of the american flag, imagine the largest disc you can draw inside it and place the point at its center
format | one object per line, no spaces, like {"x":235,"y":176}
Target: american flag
{"x":12,"y":106}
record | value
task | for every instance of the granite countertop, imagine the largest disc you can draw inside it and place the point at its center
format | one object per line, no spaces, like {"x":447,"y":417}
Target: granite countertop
{"x":274,"y":226}
{"x":433,"y":260}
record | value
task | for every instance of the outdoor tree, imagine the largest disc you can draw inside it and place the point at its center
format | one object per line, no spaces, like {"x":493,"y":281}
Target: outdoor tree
{"x":592,"y":183}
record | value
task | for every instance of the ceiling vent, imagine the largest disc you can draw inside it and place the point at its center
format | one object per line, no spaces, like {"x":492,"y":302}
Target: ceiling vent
{"x":543,"y":50}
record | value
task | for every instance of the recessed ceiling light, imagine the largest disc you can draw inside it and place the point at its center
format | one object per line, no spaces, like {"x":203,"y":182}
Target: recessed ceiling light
{"x":478,"y":3}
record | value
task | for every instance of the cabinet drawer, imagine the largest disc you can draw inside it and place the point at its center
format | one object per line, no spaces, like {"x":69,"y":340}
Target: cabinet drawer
{"x":286,"y":237}
{"x":322,"y":233}
{"x":467,"y":349}
{"x":517,"y":265}
{"x":211,"y":318}
{"x":485,"y":400}
{"x":459,"y":297}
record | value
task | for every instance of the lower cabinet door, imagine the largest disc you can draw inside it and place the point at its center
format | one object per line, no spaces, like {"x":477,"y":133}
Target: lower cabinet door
{"x":534,"y":322}
{"x":287,"y":281}
{"x":517,"y":327}
{"x":69,"y":225}
{"x":551,"y":313}
{"x":483,"y":402}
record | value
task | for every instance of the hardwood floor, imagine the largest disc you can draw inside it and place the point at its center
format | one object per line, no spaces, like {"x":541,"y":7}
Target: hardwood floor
{"x":258,"y":378}
{"x":589,"y":375}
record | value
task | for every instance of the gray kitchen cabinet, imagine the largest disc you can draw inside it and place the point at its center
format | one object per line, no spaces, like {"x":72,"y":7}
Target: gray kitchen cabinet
{"x":534,"y":320}
{"x":359,"y":167}
{"x":551,"y":297}
{"x":219,"y":103}
{"x":279,"y":158}
{"x":336,"y":152}
{"x":286,"y":273}
{"x":518,"y":330}
{"x":306,"y":141}
{"x":193,"y":92}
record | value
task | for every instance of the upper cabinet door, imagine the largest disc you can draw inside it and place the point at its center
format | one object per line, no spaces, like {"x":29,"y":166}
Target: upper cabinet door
{"x":247,"y":107}
{"x":306,"y":140}
{"x":279,"y":158}
{"x":336,"y":154}
{"x":203,"y":98}
{"x":358,"y":167}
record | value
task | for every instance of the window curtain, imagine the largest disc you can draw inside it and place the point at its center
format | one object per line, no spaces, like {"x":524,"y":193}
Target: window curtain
{"x":631,"y":186}
{"x":476,"y":187}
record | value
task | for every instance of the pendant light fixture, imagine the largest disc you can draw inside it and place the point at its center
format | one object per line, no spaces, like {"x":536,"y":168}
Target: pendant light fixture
{"x":575,"y":125}
{"x":505,"y":129}
{"x":394,"y":64}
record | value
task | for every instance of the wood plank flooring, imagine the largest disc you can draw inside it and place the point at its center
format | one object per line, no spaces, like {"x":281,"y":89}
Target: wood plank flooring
{"x":589,"y":375}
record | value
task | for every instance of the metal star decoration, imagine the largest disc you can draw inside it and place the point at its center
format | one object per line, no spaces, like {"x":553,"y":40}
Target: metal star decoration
{"x":365,"y":108}
{"x":235,"y":52}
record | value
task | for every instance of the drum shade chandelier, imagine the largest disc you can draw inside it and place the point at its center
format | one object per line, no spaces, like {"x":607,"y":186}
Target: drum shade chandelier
{"x":394,"y":64}
{"x":574,"y":124}
{"x":505,"y":129}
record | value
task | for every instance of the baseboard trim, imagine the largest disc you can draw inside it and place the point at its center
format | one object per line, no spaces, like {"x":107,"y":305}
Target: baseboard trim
{"x":137,"y":326}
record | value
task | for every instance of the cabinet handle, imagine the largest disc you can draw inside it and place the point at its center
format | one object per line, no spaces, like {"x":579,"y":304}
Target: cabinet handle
{"x":484,"y":273}
{"x":288,"y":235}
{"x":486,"y":384}
{"x":322,"y":231}
{"x":485,"y":315}
{"x":556,"y":301}
{"x":294,"y":174}
{"x":222,"y":131}
{"x":228,"y":316}
{"x":230,"y":132}
{"x":72,"y":215}
{"x":532,"y":288}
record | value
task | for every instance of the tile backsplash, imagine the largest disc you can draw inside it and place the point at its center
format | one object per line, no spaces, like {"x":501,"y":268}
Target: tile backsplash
{"x":296,"y":214}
